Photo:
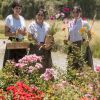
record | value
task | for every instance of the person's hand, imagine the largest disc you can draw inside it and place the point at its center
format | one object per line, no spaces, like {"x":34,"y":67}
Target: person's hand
{"x":21,"y":31}
{"x":40,"y":46}
{"x":65,"y":41}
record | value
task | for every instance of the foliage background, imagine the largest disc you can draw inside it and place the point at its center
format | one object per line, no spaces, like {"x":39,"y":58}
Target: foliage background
{"x":31,"y":6}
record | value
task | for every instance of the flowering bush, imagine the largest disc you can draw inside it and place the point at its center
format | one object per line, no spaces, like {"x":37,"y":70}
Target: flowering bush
{"x":28,"y":70}
{"x":82,"y":83}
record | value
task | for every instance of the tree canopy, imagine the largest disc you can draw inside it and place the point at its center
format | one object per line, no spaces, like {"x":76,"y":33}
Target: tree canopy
{"x":51,"y":6}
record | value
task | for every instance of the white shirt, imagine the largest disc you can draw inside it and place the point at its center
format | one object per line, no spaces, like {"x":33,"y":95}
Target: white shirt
{"x":15,"y":24}
{"x":37,"y":31}
{"x":74,"y":28}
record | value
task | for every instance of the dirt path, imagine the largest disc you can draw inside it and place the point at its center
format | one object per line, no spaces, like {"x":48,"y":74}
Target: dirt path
{"x":60,"y":59}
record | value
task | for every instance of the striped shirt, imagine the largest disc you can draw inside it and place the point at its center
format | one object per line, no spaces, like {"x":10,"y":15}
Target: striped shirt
{"x":38,"y":31}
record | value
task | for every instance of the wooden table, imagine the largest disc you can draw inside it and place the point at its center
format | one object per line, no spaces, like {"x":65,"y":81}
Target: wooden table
{"x":17,"y":45}
{"x":14,"y":49}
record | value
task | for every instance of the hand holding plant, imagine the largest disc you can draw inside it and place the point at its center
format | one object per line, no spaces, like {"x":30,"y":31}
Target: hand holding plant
{"x":86,"y":33}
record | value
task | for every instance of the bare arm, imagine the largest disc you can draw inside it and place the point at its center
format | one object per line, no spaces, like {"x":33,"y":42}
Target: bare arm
{"x":8,"y":33}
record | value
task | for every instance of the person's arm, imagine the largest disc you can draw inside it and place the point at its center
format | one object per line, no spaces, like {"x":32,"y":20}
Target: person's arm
{"x":7,"y":27}
{"x":30,"y":33}
{"x":22,"y":31}
{"x":8,"y":33}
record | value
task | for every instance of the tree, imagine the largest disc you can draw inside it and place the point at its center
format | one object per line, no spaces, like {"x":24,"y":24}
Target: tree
{"x":30,"y":7}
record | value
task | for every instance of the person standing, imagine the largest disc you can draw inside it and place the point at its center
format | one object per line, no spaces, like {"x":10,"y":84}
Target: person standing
{"x":38,"y":30}
{"x":15,"y":30}
{"x":77,"y":40}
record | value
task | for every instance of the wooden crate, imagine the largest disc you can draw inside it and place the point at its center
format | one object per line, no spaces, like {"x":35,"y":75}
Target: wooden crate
{"x":17,"y":45}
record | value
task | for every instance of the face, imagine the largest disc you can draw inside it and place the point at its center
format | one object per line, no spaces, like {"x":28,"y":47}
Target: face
{"x":39,"y":17}
{"x":17,"y":10}
{"x":76,"y":14}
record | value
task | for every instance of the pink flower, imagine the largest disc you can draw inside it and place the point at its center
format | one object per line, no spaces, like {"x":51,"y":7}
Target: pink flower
{"x":97,"y":68}
{"x":38,"y":65}
{"x":30,"y":67}
{"x":30,"y":71}
{"x":20,"y":65}
{"x":30,"y":59}
{"x":49,"y":74}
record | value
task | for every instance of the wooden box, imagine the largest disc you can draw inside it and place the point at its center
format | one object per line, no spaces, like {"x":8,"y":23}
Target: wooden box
{"x":18,"y":45}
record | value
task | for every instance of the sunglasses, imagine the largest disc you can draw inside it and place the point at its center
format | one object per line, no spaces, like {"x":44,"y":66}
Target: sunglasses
{"x":18,"y":8}
{"x":75,"y":12}
{"x":40,"y":14}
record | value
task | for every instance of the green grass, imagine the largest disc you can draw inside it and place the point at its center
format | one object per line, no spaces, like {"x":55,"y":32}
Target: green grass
{"x":2,"y":36}
{"x":96,"y":48}
{"x":2,"y":31}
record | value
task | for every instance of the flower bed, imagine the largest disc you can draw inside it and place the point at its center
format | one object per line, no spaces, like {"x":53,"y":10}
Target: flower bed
{"x":23,"y":80}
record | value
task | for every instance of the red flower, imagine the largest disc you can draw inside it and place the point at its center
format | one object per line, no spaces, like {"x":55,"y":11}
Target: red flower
{"x":26,"y":87}
{"x":84,"y":18}
{"x":10,"y":88}
{"x":22,"y":91}
{"x":66,"y":9}
{"x":52,"y":18}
